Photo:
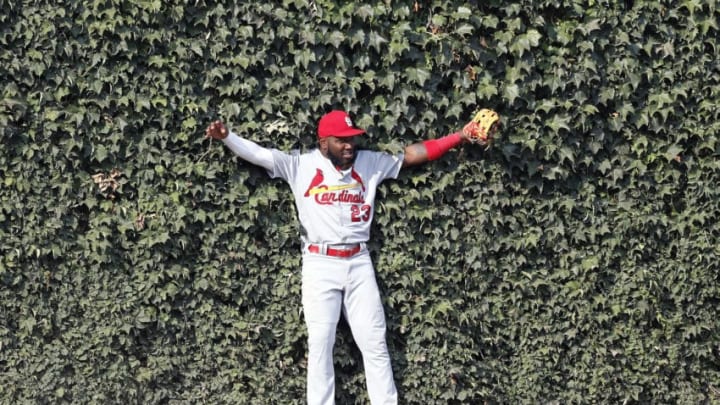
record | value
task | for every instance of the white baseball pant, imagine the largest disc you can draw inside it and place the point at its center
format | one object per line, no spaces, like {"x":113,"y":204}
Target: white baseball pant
{"x":331,"y":285}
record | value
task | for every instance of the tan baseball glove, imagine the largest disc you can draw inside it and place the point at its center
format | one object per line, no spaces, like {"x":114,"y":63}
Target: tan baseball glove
{"x":483,"y":126}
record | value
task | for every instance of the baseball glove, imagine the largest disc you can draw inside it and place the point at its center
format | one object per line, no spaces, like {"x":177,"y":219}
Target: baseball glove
{"x":483,"y":126}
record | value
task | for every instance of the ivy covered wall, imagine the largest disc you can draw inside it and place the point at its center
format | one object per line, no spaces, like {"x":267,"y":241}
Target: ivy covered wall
{"x":574,"y":261}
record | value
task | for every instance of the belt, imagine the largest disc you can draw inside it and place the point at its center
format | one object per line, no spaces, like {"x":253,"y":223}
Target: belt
{"x":329,"y":251}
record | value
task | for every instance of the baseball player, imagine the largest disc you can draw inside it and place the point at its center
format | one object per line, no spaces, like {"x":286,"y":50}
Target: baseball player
{"x":334,"y":187}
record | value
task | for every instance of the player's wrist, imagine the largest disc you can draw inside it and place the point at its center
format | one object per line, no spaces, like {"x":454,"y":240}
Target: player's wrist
{"x":223,"y":135}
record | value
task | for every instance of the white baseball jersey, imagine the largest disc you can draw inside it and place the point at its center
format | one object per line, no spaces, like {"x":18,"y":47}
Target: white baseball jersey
{"x":335,"y":206}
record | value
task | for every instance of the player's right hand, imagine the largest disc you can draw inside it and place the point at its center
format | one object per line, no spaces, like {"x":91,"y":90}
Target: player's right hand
{"x":216,"y":130}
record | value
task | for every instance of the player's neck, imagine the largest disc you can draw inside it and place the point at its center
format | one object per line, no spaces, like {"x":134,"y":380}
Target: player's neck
{"x":339,"y":166}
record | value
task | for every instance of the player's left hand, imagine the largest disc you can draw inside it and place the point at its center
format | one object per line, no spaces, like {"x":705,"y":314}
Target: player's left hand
{"x":482,"y":128}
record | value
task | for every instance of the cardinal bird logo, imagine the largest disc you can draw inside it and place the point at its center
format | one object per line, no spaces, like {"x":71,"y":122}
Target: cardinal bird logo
{"x":324,"y":194}
{"x":315,"y":183}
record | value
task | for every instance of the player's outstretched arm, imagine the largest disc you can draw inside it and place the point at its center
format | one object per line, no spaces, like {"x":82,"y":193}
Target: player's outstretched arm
{"x":480,"y":130}
{"x":247,"y":150}
{"x":431,"y":149}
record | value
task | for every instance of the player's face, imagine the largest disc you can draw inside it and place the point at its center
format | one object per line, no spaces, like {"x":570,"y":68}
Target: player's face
{"x":340,"y":151}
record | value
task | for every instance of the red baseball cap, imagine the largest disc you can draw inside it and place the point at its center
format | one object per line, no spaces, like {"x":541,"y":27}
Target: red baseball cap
{"x":337,"y":123}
